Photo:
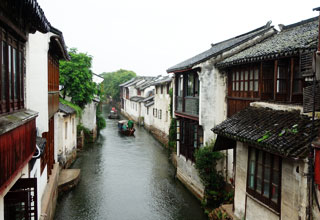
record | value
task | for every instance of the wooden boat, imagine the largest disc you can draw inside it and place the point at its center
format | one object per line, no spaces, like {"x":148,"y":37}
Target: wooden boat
{"x":113,"y":114}
{"x":123,"y":128}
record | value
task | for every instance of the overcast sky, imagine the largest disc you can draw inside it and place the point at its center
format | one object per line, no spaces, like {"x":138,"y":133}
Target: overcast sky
{"x":148,"y":36}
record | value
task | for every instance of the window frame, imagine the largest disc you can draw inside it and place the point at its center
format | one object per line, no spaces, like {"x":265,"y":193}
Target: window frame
{"x":254,"y":192}
{"x":11,"y":76}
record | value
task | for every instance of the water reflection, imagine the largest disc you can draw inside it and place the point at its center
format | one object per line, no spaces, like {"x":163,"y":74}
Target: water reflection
{"x":127,"y":178}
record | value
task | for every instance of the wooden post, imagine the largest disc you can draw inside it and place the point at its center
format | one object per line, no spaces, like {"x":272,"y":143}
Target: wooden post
{"x":275,"y":79}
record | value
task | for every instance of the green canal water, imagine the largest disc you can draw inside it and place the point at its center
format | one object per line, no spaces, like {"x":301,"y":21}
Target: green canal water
{"x":127,"y":178}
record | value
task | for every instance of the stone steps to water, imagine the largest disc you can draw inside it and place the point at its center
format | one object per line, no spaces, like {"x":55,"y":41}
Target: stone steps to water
{"x":68,"y":179}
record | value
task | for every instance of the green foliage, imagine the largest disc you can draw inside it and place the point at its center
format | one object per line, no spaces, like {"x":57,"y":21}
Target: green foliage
{"x":112,"y":81}
{"x":86,"y":132}
{"x":101,"y":122}
{"x":74,"y":106}
{"x":206,"y":162}
{"x":292,"y":130}
{"x":76,"y":77}
{"x":172,"y":135}
{"x":264,"y":137}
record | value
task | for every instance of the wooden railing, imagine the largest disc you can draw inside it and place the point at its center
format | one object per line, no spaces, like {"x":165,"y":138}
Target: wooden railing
{"x":16,"y":149}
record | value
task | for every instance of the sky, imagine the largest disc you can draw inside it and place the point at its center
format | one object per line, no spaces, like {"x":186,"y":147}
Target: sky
{"x":148,"y":36}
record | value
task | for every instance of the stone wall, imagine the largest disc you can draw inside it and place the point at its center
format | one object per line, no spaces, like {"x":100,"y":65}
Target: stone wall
{"x":188,"y":175}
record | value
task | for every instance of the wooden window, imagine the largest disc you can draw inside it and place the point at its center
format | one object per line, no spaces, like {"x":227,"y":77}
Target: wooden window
{"x":264,"y":177}
{"x":161,"y":89}
{"x":283,"y":72}
{"x":190,"y":86}
{"x":297,"y":78}
{"x":139,"y":92}
{"x":168,"y":88}
{"x":245,"y":79}
{"x":147,"y":110}
{"x":166,"y":116}
{"x":180,"y":86}
{"x":11,"y":73}
{"x":267,"y":80}
{"x":196,"y":85}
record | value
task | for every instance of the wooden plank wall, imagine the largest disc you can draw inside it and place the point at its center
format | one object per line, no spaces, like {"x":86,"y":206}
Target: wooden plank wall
{"x":16,"y":149}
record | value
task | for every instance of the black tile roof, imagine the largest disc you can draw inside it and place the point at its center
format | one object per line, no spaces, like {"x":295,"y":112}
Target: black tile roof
{"x":125,"y":83}
{"x":163,"y":81}
{"x":136,"y":98}
{"x":284,"y":133}
{"x":219,"y":48}
{"x":60,"y":38}
{"x":293,"y":38}
{"x":66,"y":109}
{"x":34,"y":12}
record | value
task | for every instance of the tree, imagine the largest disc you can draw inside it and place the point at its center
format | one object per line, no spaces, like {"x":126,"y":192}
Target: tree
{"x":76,"y":78}
{"x":112,"y":81}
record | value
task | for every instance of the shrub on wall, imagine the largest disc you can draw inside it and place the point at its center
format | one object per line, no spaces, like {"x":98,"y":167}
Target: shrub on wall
{"x":206,"y":162}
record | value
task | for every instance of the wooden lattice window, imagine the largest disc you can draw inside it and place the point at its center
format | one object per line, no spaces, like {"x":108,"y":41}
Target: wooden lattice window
{"x":11,"y":72}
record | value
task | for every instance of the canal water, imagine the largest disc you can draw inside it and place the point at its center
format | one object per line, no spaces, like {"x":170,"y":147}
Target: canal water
{"x":127,"y":178}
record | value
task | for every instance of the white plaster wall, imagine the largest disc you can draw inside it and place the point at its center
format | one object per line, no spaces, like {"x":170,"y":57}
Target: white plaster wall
{"x":148,"y":118}
{"x":293,"y":190}
{"x":37,"y":74}
{"x":132,"y":92}
{"x":162,"y":101}
{"x":240,"y":180}
{"x":24,"y":173}
{"x":89,"y":116}
{"x":133,"y":109}
{"x":66,"y":146}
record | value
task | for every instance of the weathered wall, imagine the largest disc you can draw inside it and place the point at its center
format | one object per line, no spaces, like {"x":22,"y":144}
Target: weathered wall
{"x":293,"y":190}
{"x":89,"y":116}
{"x":240,"y":180}
{"x":256,"y":210}
{"x":212,"y":103}
{"x":67,"y":147}
{"x":188,"y":175}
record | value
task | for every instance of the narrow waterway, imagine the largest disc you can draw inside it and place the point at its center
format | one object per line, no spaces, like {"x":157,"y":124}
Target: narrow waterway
{"x":127,"y":178}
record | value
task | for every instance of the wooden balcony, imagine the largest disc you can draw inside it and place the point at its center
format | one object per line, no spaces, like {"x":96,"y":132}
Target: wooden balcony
{"x":16,"y":149}
{"x":187,"y":105}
